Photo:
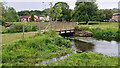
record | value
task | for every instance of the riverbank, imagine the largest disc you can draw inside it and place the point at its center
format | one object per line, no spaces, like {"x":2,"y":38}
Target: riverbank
{"x":105,"y":30}
{"x":36,"y":48}
{"x":41,"y":48}
{"x":86,"y":59}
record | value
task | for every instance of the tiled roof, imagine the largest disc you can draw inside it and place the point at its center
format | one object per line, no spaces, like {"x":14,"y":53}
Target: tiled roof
{"x":41,"y":16}
{"x":116,"y":14}
{"x":24,"y":17}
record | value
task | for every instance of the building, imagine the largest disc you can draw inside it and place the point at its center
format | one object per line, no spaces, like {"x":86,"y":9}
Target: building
{"x":115,"y":17}
{"x":24,"y":18}
{"x":36,"y":18}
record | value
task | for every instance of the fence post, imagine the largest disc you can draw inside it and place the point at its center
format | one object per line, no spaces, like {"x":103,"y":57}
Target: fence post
{"x":23,"y":30}
{"x":39,"y":27}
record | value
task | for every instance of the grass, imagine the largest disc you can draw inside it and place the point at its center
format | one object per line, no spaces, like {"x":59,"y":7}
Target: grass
{"x":86,"y":59}
{"x":34,"y":49}
{"x":104,"y":25}
{"x":104,"y":30}
{"x":12,"y":37}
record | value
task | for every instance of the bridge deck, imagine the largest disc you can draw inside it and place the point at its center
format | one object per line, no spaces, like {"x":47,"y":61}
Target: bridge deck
{"x":61,"y":31}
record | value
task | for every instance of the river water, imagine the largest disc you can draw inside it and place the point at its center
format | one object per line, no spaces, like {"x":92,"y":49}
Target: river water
{"x":108,"y":48}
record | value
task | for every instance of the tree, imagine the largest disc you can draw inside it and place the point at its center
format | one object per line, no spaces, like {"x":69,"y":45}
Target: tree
{"x":12,"y":15}
{"x":26,"y":14}
{"x":32,"y":18}
{"x":84,"y":11}
{"x":2,"y":13}
{"x":108,"y":14}
{"x":57,"y":12}
{"x":66,"y":12}
{"x":54,"y":12}
{"x":100,"y":15}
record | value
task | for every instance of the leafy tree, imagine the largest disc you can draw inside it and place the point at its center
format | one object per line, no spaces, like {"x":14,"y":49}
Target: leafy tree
{"x":57,"y":12}
{"x":2,"y":14}
{"x":12,"y":15}
{"x":26,"y":14}
{"x":84,"y":11}
{"x":54,"y":12}
{"x":66,"y":12}
{"x":32,"y":17}
{"x":23,"y":13}
{"x":108,"y":14}
{"x":100,"y":15}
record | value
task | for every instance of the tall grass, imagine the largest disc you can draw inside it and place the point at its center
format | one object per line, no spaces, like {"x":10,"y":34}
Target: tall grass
{"x":32,"y":50}
{"x":105,"y":30}
{"x":86,"y":59}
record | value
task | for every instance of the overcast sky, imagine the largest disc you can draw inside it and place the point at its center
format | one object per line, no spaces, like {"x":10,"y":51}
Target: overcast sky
{"x":39,"y":5}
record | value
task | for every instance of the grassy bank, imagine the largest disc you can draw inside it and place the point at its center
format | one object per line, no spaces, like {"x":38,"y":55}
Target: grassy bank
{"x":104,"y":30}
{"x":32,"y":50}
{"x":86,"y":59}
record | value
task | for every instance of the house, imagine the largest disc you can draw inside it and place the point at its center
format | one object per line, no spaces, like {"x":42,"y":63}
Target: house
{"x":41,"y":17}
{"x":27,"y":18}
{"x":36,"y":18}
{"x":24,"y":18}
{"x":115,"y":17}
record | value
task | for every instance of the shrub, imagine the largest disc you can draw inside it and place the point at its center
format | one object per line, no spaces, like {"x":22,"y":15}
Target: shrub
{"x":51,"y":33}
{"x":105,"y":34}
{"x":15,"y":28}
{"x":60,"y":41}
{"x":81,"y":28}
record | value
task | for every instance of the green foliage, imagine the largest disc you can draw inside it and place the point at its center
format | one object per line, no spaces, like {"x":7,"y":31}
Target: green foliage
{"x":18,"y":27}
{"x":81,"y":28}
{"x":84,"y":11}
{"x":108,"y":14}
{"x":54,"y":12}
{"x":59,"y":41}
{"x":86,"y":59}
{"x":26,"y":12}
{"x":66,"y":12}
{"x":32,"y":18}
{"x":105,"y":34}
{"x":32,"y":50}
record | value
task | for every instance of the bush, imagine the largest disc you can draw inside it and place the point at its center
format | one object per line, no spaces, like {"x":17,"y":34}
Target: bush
{"x":18,"y":27}
{"x":105,"y":34}
{"x":60,"y":41}
{"x":15,"y":28}
{"x":81,"y":28}
{"x":4,"y":30}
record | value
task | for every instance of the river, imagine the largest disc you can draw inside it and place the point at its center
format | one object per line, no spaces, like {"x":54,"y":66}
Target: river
{"x":107,"y":48}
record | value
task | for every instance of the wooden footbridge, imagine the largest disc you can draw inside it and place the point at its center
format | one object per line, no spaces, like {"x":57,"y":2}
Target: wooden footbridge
{"x":61,"y":28}
{"x":63,"y":31}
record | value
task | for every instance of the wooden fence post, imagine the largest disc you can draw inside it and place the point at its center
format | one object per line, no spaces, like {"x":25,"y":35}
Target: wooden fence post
{"x":23,"y":30}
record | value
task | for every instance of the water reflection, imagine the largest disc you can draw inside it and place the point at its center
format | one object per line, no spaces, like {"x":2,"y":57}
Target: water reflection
{"x":100,"y":46}
{"x":81,"y":46}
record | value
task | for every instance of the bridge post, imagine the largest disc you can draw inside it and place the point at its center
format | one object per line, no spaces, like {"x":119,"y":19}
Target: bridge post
{"x":65,"y":31}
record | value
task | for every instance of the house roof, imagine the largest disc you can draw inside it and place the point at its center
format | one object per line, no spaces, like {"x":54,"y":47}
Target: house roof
{"x":41,"y":16}
{"x":116,"y":14}
{"x":24,"y":17}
